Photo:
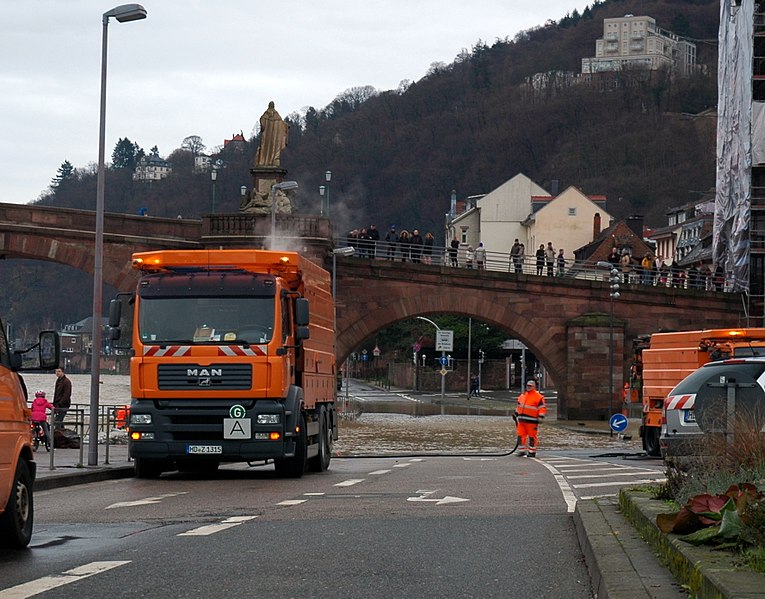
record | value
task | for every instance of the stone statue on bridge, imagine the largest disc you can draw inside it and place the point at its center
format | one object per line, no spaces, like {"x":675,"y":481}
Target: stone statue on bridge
{"x":273,"y":137}
{"x":266,"y":167}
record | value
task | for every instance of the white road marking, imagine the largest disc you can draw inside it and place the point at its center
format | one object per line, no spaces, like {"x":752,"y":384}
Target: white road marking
{"x":586,"y":497}
{"x":292,"y":502}
{"x":606,"y":469}
{"x":425,"y":496}
{"x":209,"y":529}
{"x":147,"y":501}
{"x":314,"y":494}
{"x":479,"y":459}
{"x":578,"y":476}
{"x":350,"y":482}
{"x":401,"y":465}
{"x":35,"y":587}
{"x":644,"y":481}
{"x":380,"y":472}
{"x":568,"y":494}
{"x":417,"y":460}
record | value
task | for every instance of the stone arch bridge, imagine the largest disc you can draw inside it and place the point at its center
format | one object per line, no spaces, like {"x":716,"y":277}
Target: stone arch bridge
{"x":565,"y":322}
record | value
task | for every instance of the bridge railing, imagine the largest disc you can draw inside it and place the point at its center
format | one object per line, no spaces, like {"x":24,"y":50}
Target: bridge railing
{"x":527,"y":265}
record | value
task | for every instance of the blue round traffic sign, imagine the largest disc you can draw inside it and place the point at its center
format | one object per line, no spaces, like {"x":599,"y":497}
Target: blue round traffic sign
{"x":618,"y":423}
{"x":444,"y":360}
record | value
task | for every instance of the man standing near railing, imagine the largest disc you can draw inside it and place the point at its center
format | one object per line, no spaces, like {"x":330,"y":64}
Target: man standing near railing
{"x":62,"y":398}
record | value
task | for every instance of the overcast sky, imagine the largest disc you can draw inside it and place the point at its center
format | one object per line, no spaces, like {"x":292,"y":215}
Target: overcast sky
{"x":209,"y":68}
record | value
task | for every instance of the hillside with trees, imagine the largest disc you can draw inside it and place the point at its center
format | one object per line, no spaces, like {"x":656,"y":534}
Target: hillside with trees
{"x":469,"y":125}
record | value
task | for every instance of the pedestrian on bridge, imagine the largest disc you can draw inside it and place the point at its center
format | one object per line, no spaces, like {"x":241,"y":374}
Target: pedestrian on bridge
{"x":530,"y":410}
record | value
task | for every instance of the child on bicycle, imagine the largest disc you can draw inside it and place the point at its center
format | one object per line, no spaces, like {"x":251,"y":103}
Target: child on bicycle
{"x":40,"y":407}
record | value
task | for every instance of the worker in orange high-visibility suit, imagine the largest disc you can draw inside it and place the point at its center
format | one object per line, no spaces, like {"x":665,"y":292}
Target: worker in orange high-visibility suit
{"x":529,"y":411}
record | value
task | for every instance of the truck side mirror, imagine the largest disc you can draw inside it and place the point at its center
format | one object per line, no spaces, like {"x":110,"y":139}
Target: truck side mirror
{"x":302,"y":333}
{"x":115,"y":313}
{"x":302,"y":313}
{"x":50,"y":349}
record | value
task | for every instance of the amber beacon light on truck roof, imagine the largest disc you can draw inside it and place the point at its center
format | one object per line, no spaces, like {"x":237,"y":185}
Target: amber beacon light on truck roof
{"x":276,"y":263}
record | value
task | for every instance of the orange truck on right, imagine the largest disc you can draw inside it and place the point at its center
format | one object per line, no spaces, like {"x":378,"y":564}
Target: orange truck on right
{"x":660,"y":361}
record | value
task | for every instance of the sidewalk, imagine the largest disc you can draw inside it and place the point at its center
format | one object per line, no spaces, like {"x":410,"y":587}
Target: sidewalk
{"x":70,"y":468}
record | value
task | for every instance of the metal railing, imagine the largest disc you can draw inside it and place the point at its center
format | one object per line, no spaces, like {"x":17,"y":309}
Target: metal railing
{"x":527,"y":265}
{"x":77,"y":419}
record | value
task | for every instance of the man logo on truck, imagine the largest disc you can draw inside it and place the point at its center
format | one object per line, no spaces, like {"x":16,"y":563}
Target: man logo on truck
{"x":204,"y":372}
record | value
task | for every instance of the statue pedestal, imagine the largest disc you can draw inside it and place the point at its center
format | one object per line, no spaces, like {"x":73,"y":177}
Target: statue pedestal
{"x":263,"y":177}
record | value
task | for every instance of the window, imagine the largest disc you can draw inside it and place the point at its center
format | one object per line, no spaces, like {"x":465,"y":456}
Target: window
{"x":572,"y":211}
{"x":463,"y":235}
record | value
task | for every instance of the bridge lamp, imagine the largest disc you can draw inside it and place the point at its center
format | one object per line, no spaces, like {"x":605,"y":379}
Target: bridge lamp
{"x":283,"y":186}
{"x":213,"y":178}
{"x":123,"y":13}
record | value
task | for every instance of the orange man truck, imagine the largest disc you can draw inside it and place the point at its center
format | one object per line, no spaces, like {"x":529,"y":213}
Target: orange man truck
{"x":660,"y":361}
{"x":233,"y":359}
{"x":17,"y":469}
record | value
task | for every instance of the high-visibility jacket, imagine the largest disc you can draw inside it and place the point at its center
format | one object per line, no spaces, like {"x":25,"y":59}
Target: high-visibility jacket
{"x":531,"y":405}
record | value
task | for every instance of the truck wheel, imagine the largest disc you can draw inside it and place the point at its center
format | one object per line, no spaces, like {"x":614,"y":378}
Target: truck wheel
{"x":651,"y":440}
{"x":147,"y":468}
{"x":294,"y":467}
{"x":17,"y":520}
{"x":320,"y":463}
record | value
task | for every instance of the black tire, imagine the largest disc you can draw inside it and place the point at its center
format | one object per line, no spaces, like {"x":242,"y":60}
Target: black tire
{"x":651,"y":440}
{"x":320,"y":463}
{"x":145,"y":468}
{"x":17,"y":521}
{"x":294,"y":467}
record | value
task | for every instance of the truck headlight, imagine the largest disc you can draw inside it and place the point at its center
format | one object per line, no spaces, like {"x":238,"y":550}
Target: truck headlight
{"x":138,"y":419}
{"x":269,"y":419}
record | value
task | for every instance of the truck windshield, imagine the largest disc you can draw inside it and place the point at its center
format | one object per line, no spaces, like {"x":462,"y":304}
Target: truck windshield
{"x":189,"y":320}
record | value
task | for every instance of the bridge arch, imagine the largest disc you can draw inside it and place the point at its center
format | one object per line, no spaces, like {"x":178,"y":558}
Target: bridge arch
{"x":564,"y":321}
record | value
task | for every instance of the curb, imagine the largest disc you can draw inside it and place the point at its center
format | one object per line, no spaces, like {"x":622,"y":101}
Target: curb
{"x":81,"y":476}
{"x":705,"y":572}
{"x":621,"y":564}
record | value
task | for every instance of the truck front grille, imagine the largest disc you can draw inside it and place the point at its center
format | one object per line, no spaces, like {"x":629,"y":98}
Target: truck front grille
{"x":216,"y":377}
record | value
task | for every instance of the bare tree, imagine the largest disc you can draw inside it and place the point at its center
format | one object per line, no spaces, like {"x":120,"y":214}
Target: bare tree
{"x":193,"y":143}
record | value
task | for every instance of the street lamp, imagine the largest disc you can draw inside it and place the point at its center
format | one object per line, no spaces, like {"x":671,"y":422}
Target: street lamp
{"x":327,"y":178}
{"x":614,"y":294}
{"x":443,"y":354}
{"x":213,"y":178}
{"x":123,"y":14}
{"x":283,"y":186}
{"x":243,"y":190}
{"x":322,"y":189}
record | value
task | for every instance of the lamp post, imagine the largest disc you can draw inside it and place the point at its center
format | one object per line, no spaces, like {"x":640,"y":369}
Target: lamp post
{"x":123,"y":14}
{"x":284,"y":186}
{"x":322,"y":190}
{"x":213,"y":178}
{"x":328,"y":178}
{"x":346,"y":251}
{"x":613,"y":280}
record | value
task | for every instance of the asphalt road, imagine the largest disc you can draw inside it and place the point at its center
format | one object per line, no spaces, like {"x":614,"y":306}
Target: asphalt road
{"x":426,"y":527}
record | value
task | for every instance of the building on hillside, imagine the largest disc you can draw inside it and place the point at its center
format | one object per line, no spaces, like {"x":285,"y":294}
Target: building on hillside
{"x":568,"y":220}
{"x":686,"y":226}
{"x":202,"y":163}
{"x":521,"y":209}
{"x":636,"y":43}
{"x":237,"y":141}
{"x":152,"y":168}
{"x":625,"y":236}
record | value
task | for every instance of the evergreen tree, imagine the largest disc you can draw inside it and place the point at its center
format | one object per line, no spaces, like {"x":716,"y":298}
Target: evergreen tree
{"x":126,"y":154}
{"x":64,"y":173}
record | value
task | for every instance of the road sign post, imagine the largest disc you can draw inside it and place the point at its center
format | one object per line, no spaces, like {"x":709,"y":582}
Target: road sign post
{"x":444,"y":343}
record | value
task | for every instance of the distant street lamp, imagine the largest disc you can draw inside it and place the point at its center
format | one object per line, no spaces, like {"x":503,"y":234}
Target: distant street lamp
{"x":327,"y":178}
{"x":322,"y":190}
{"x":213,"y":178}
{"x":283,"y":186}
{"x":243,"y":190}
{"x":346,"y":251}
{"x":613,"y":295}
{"x":123,"y":14}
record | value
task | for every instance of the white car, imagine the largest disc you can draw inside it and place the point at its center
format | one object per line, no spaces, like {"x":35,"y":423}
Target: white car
{"x":702,"y":396}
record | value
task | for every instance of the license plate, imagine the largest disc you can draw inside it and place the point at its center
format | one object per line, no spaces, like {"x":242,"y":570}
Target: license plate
{"x":689,"y":416}
{"x":204,"y":449}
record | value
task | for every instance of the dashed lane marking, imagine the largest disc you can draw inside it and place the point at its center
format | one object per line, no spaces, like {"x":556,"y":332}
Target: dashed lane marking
{"x":401,"y":465}
{"x":610,"y":475}
{"x":377,"y":472}
{"x":46,"y":583}
{"x":146,"y":501}
{"x":292,"y":502}
{"x":210,"y":529}
{"x":350,"y":482}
